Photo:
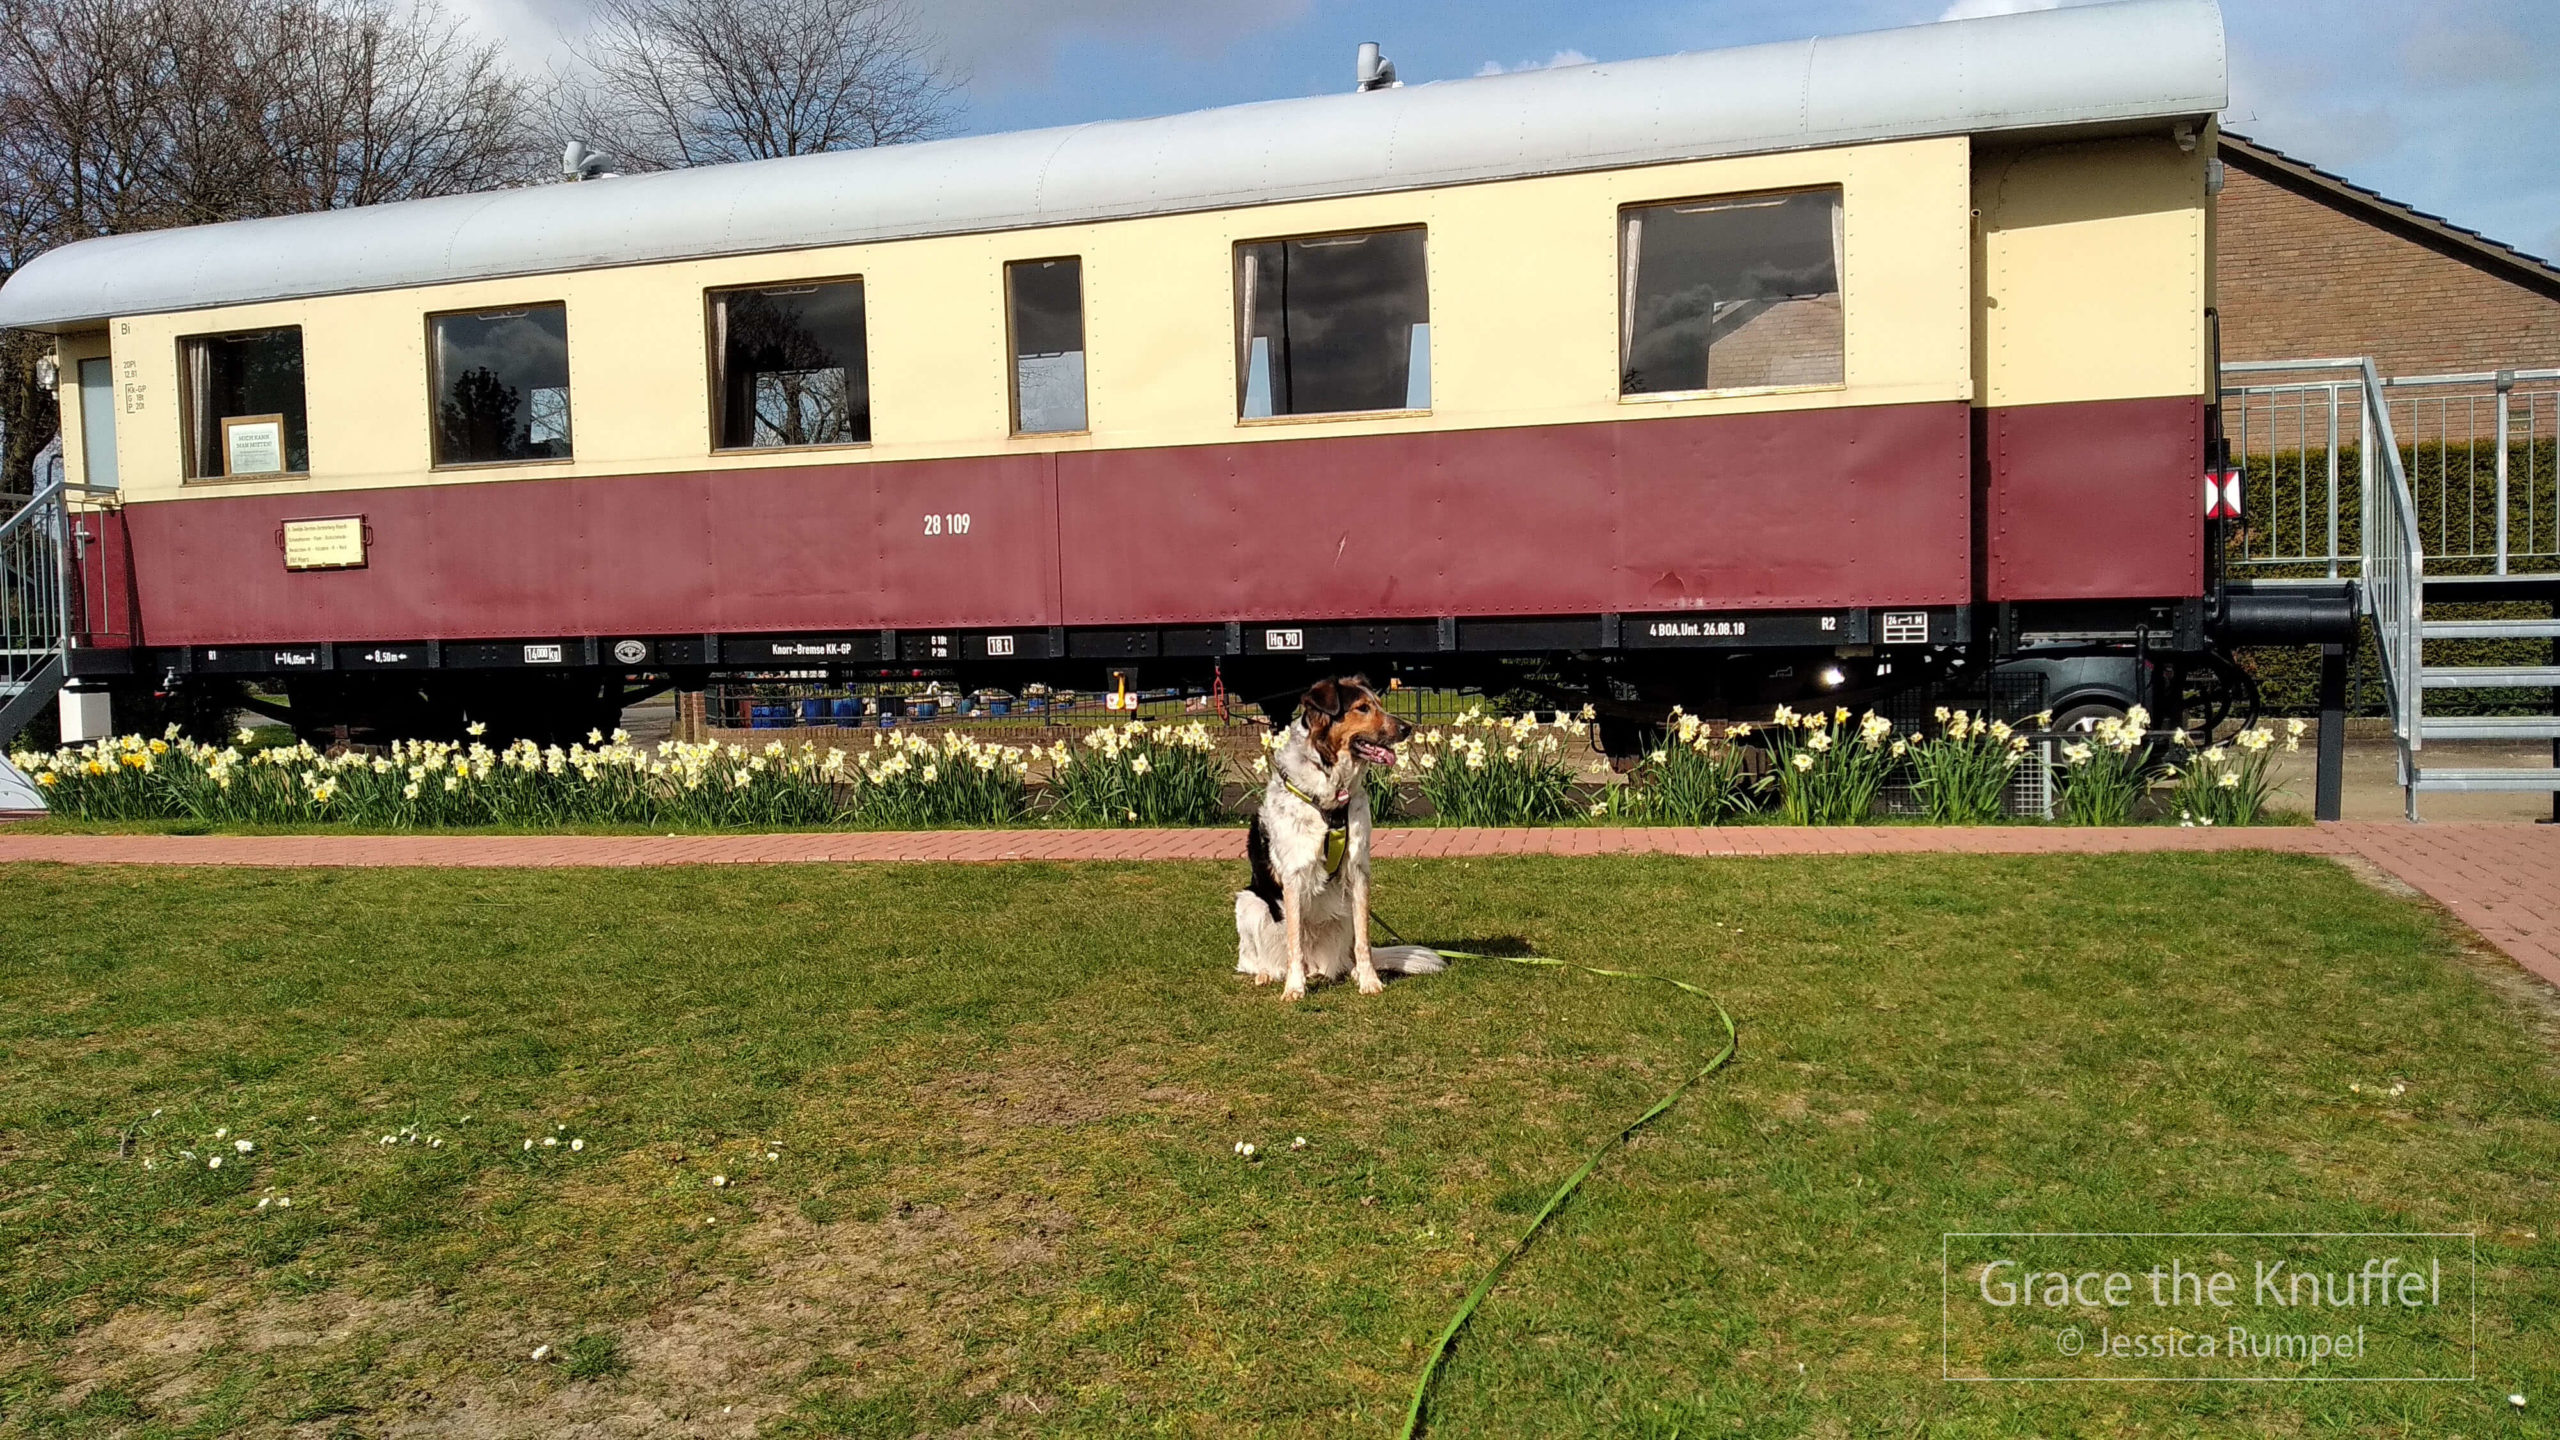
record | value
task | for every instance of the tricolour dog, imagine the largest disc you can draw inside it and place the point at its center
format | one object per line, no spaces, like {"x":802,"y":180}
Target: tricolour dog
{"x":1307,"y":911}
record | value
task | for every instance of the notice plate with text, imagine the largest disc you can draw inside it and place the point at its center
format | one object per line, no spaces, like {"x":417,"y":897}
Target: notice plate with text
{"x":336,"y":544}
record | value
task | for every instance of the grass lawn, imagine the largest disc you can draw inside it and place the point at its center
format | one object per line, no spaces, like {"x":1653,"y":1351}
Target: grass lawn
{"x":977,"y":1127}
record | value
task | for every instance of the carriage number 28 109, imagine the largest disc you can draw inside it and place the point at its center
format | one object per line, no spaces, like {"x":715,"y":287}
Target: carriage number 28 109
{"x":956,"y":523}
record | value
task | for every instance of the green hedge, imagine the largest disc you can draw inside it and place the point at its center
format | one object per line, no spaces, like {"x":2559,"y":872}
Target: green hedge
{"x":2440,"y":481}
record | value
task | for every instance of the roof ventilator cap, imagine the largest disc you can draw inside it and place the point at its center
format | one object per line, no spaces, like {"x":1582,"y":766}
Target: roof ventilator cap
{"x":577,"y":162}
{"x":1376,"y":71}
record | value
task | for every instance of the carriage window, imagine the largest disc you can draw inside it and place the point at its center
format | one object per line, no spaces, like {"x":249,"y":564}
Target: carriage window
{"x":1332,"y":324}
{"x":502,"y":385}
{"x":98,"y":423}
{"x":243,"y":404}
{"x":792,"y":367}
{"x":1046,"y":300}
{"x":1730,"y":294}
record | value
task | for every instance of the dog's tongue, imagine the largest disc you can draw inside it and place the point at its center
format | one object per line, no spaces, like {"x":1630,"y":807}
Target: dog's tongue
{"x":1373,"y":752}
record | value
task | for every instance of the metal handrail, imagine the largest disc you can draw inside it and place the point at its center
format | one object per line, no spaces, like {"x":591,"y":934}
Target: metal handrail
{"x":35,"y":586}
{"x":2391,"y":556}
{"x":2394,"y":573}
{"x":2479,"y":463}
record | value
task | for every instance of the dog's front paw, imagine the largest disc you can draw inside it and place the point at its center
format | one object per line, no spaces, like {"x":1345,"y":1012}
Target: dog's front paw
{"x":1293,"y":992}
{"x":1372,"y":985}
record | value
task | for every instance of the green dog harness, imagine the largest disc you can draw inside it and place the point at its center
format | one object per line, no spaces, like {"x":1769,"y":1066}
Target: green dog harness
{"x":1337,"y":827}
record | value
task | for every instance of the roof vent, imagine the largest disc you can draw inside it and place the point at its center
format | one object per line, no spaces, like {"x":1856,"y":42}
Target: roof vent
{"x":577,"y":162}
{"x":1377,"y":72}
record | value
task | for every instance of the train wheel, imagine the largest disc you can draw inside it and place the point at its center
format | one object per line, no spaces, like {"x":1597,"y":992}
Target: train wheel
{"x":2211,"y":690}
{"x":1624,"y":737}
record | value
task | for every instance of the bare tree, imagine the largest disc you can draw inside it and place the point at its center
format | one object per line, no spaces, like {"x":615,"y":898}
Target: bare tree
{"x":120,"y":115}
{"x":375,"y":105}
{"x":669,"y":83}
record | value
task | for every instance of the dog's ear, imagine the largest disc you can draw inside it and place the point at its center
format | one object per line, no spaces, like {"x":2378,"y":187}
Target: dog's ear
{"x":1322,"y":704}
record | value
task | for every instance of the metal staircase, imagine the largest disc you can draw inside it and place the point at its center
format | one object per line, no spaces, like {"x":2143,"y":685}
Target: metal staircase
{"x":2494,"y":728}
{"x":2392,"y":522}
{"x":35,"y":618}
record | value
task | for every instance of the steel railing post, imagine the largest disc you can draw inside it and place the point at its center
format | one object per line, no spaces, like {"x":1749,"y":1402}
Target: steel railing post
{"x":2333,"y":482}
{"x":2506,"y":384}
{"x":62,"y":580}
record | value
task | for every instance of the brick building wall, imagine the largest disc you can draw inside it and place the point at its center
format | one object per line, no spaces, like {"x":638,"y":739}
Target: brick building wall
{"x":2332,"y":272}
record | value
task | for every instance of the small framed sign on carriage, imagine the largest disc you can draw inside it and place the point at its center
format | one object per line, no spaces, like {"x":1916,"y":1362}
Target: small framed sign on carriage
{"x":253,"y":445}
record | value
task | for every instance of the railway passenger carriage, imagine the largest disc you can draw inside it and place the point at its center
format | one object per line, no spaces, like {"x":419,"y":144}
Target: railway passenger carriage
{"x":1711,"y":378}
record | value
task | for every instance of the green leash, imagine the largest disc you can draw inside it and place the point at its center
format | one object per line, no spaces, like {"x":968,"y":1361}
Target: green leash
{"x":1458,"y":1321}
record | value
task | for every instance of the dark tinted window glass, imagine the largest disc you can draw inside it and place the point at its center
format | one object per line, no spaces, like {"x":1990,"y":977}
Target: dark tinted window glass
{"x":254,"y":378}
{"x":502,"y":386}
{"x":1335,"y":323}
{"x":1730,"y":294}
{"x":1047,"y":297}
{"x":792,"y":368}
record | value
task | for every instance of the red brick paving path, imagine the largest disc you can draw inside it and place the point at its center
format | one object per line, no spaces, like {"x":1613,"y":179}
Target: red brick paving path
{"x":2501,"y":880}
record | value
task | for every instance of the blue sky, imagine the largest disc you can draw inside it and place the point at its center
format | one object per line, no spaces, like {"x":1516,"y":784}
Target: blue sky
{"x":2450,"y":105}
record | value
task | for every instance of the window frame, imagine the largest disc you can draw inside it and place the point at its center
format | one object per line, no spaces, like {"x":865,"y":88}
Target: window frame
{"x":1240,"y":343}
{"x":435,"y":396}
{"x":187,"y":412}
{"x":714,"y":363}
{"x":1618,"y":291}
{"x":1013,"y":353}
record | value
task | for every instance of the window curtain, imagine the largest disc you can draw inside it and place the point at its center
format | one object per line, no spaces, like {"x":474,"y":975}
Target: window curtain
{"x":1839,"y":267}
{"x":209,"y":459}
{"x":1634,"y":263}
{"x":1249,"y":262}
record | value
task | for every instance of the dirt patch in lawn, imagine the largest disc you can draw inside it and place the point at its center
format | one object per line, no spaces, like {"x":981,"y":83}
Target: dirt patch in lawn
{"x":848,"y":1300}
{"x":1046,"y":1093}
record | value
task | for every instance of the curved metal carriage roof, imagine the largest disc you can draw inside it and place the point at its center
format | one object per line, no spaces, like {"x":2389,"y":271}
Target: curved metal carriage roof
{"x":2076,"y":66}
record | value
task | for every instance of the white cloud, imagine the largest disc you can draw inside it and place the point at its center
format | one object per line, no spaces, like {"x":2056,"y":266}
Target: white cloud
{"x":1561,"y":57}
{"x":2446,"y":118}
{"x":536,"y":33}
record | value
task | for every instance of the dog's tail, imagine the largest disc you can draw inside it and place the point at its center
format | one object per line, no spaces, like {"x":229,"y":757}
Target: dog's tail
{"x":1407,"y":959}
